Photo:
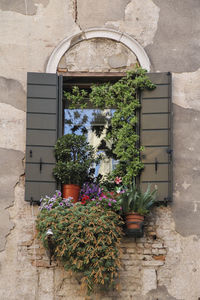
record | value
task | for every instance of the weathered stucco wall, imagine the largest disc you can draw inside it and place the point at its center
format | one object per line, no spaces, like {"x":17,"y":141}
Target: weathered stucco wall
{"x":168,"y":267}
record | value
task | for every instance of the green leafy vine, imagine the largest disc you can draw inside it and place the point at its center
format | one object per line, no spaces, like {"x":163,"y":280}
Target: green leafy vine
{"x":123,"y":96}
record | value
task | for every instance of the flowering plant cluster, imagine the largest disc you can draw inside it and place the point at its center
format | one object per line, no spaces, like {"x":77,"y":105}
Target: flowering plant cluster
{"x":90,"y":189}
{"x":48,"y":203}
{"x":94,"y":195}
{"x":107,"y":201}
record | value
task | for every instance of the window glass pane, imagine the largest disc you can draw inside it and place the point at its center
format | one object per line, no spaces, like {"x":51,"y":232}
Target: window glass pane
{"x":93,"y":123}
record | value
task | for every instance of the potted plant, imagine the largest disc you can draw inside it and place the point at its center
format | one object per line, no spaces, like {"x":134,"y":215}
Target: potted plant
{"x":75,"y":158}
{"x":89,"y":246}
{"x":135,"y":205}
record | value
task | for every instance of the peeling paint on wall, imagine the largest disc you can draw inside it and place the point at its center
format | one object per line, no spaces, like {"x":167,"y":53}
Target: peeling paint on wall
{"x":12,"y":127}
{"x":93,"y":13}
{"x":12,"y":93}
{"x":98,"y":55}
{"x":181,"y":272}
{"x":186,"y":170}
{"x":27,"y":41}
{"x":136,"y":22}
{"x":175,"y":46}
{"x":22,"y":6}
{"x":186,"y":91}
{"x":10,"y":171}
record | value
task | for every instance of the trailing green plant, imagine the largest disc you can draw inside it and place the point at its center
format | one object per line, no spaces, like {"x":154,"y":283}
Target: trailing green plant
{"x":122,"y":95}
{"x":133,"y":200}
{"x":86,"y":239}
{"x":75,"y":158}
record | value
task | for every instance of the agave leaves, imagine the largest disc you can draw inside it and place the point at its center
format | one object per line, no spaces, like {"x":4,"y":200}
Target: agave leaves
{"x":134,"y":200}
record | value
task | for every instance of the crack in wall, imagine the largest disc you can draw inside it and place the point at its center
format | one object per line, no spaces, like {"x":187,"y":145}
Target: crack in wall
{"x":75,"y":11}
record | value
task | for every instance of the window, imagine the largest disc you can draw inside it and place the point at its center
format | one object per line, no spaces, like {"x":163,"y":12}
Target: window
{"x":45,"y":115}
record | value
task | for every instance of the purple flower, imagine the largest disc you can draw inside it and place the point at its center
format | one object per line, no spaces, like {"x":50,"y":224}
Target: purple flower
{"x":58,"y":193}
{"x":61,"y":204}
{"x":110,"y":204}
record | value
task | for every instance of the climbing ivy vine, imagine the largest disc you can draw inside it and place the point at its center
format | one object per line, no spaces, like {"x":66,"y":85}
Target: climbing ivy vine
{"x":121,"y":130}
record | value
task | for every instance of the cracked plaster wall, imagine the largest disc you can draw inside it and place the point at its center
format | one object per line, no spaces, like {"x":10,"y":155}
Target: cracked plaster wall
{"x":98,"y":55}
{"x":169,"y":31}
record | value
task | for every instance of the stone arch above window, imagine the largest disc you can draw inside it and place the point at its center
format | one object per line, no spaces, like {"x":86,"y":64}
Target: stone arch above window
{"x":125,"y":53}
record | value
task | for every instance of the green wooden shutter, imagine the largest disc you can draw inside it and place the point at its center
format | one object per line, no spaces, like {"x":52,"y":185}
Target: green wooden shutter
{"x":43,"y":129}
{"x":156,"y":136}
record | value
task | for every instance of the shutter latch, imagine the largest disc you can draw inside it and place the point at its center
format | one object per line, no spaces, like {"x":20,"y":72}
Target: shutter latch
{"x":169,"y":151}
{"x":40,"y":165}
{"x":156,"y":165}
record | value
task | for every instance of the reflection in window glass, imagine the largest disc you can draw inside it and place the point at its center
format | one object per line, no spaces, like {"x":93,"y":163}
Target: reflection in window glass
{"x":93,"y":123}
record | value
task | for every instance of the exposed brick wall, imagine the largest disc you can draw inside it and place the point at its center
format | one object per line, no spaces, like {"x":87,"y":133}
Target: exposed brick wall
{"x":141,"y":259}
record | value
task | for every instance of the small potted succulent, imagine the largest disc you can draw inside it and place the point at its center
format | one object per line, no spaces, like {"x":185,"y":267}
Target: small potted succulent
{"x":75,"y":158}
{"x":135,"y":205}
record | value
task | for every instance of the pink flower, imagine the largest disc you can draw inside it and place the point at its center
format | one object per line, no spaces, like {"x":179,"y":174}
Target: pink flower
{"x":118,"y":180}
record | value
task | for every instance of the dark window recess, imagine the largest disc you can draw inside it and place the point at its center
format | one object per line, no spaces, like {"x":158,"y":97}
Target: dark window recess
{"x":45,"y":123}
{"x":90,"y":121}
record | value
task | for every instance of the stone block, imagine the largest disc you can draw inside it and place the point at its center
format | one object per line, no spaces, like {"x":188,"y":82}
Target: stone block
{"x":43,"y":264}
{"x":149,"y":281}
{"x":152,"y":263}
{"x":131,"y":250}
{"x":162,"y":251}
{"x":155,"y":251}
{"x":125,"y":256}
{"x":147,"y":251}
{"x":157,"y":245}
{"x":159,"y":257}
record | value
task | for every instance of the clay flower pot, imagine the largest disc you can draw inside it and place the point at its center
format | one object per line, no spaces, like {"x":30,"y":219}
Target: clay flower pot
{"x":71,"y":190}
{"x":134,"y":224}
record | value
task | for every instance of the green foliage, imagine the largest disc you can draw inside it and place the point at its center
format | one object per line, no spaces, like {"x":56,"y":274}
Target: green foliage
{"x":134,"y":200}
{"x":86,"y":239}
{"x":75,"y":157}
{"x":124,"y":97}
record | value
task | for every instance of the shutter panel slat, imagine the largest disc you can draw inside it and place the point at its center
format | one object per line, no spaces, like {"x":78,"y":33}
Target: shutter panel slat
{"x":160,"y":92}
{"x":39,"y":91}
{"x":34,"y":173}
{"x":155,"y":136}
{"x":149,"y":154}
{"x":151,"y":174}
{"x":42,"y":132}
{"x":154,"y":105}
{"x":44,"y":121}
{"x":40,"y":105}
{"x":156,"y":121}
{"x":41,"y":138}
{"x":47,"y":154}
{"x":39,"y":189}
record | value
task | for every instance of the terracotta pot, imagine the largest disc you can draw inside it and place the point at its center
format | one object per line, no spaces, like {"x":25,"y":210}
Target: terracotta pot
{"x":71,"y":190}
{"x":134,"y":221}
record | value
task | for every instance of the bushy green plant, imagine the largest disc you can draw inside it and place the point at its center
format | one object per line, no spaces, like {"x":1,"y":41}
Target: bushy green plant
{"x":86,"y":239}
{"x":133,"y":200}
{"x":124,"y":97}
{"x":75,"y":157}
